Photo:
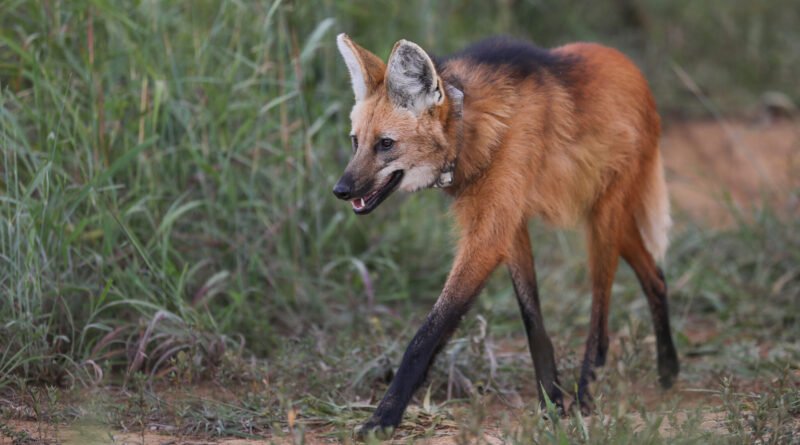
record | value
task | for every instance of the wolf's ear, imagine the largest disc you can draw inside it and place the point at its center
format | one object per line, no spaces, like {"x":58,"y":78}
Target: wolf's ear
{"x":411,"y":79}
{"x":366,"y":69}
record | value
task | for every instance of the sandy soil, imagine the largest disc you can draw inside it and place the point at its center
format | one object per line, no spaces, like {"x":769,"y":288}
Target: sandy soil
{"x":712,"y":166}
{"x":78,"y":434}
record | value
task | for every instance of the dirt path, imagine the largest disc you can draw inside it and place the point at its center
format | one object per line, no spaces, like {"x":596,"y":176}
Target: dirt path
{"x":713,"y":165}
{"x":42,"y":433}
{"x":77,"y":434}
{"x":27,"y":432}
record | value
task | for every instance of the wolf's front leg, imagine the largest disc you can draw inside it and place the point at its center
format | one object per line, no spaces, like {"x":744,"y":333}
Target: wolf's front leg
{"x":472,"y":266}
{"x":523,"y":275}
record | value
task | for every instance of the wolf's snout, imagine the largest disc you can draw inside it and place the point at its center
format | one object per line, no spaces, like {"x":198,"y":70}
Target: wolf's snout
{"x":344,"y":188}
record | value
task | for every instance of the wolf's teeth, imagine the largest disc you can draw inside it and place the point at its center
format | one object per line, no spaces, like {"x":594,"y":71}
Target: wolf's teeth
{"x":358,"y":204}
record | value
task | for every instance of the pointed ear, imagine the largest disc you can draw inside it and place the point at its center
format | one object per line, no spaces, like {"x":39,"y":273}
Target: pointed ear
{"x":411,"y":78}
{"x":366,"y":69}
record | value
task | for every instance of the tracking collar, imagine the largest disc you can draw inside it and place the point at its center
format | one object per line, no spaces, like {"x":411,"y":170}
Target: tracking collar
{"x":448,"y":170}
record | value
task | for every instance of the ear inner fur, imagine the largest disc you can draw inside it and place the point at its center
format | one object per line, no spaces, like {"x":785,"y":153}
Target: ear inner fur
{"x":411,"y":78}
{"x":366,"y":69}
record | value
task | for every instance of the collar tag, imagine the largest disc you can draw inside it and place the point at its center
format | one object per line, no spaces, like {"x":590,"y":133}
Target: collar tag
{"x":445,"y":179}
{"x":457,"y":99}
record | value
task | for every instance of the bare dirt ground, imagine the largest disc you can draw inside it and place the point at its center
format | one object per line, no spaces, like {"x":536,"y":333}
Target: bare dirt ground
{"x":89,"y":434}
{"x":712,"y":167}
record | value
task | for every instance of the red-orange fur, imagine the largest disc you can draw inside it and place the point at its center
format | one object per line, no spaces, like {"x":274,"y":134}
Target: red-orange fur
{"x":578,"y":152}
{"x":536,"y":137}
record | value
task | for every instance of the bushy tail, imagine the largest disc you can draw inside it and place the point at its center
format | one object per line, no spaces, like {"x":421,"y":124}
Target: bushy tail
{"x":653,"y":216}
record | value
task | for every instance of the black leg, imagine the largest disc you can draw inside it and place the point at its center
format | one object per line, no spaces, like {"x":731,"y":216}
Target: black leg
{"x":651,"y":278}
{"x":656,"y":292}
{"x":602,"y":351}
{"x":464,"y":283}
{"x":523,"y":275}
{"x":603,"y":260}
{"x":419,"y":355}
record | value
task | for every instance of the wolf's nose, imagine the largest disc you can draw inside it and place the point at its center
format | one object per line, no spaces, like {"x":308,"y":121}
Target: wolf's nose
{"x":342,"y":191}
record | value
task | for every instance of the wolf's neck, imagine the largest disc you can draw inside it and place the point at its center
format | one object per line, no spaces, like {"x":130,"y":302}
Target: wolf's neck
{"x":485,"y":115}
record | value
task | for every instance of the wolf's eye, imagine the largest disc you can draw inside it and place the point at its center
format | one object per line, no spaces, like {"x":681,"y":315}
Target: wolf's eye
{"x":354,"y":142}
{"x":385,"y":144}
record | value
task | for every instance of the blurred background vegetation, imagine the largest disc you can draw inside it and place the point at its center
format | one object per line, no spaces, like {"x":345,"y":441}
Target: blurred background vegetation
{"x":166,"y":170}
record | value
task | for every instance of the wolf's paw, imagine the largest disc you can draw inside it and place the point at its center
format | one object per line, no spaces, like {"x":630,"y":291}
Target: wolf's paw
{"x":373,"y":429}
{"x":584,"y":402}
{"x":668,"y":369}
{"x":554,"y":401}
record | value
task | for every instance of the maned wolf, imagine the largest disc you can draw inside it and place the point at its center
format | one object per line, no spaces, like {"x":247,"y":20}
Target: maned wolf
{"x":512,"y":131}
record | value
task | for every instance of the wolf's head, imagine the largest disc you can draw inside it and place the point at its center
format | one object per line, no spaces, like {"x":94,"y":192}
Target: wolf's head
{"x":400,"y":125}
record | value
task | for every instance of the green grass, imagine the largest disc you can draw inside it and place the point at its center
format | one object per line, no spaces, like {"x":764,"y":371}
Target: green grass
{"x":204,"y":194}
{"x":166,"y":217}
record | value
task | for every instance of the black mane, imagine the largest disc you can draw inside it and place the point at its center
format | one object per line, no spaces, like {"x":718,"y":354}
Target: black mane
{"x":524,"y":59}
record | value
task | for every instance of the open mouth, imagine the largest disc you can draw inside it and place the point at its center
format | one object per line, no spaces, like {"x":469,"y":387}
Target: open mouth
{"x":368,"y":203}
